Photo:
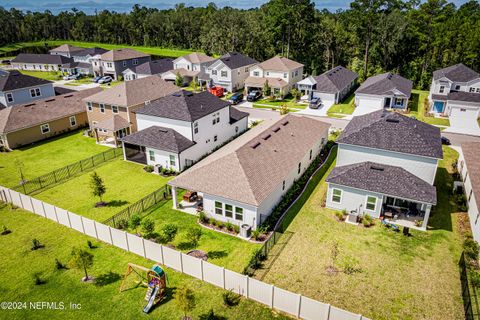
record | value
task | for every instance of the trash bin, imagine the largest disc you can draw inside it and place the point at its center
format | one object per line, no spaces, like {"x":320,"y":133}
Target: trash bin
{"x":245,"y":231}
{"x":156,"y":168}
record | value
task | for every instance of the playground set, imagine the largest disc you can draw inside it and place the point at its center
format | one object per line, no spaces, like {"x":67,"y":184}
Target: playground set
{"x":154,"y":279}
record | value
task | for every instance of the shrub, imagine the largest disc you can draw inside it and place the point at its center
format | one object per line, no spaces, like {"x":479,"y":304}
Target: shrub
{"x":5,"y":230}
{"x":37,"y":279}
{"x":229,"y":226}
{"x":339,"y":215}
{"x":135,"y":222}
{"x":230,"y":298}
{"x":82,"y":260}
{"x":367,"y":220}
{"x":59,"y":265}
{"x":210,"y":315}
{"x":471,"y":248}
{"x":194,"y":234}
{"x":122,"y":224}
{"x":220,"y":224}
{"x":475,"y":278}
{"x":236,"y":228}
{"x":185,"y":299}
{"x":256,"y":234}
{"x":213,"y":222}
{"x":90,"y":245}
{"x":169,"y":231}
{"x":36,"y":244}
{"x":148,"y":168}
{"x":148,"y":226}
{"x":202,"y":216}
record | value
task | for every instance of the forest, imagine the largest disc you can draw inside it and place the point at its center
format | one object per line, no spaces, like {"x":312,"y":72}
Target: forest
{"x":412,"y":37}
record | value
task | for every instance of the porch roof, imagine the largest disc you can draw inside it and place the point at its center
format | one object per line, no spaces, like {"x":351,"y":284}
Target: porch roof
{"x":389,"y":180}
{"x":159,"y":138}
{"x":113,"y":124}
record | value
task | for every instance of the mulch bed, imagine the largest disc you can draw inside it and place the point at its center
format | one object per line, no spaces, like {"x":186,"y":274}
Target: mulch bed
{"x":198,"y":254}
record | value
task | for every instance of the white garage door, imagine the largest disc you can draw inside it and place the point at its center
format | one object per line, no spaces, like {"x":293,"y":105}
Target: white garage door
{"x":464,"y":120}
{"x":464,"y":113}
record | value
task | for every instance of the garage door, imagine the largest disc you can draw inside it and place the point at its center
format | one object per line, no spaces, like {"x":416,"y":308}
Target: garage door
{"x":464,"y":113}
{"x":464,"y":121}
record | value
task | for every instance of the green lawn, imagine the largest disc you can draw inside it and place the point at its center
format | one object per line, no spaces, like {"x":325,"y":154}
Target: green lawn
{"x":165,"y":52}
{"x":224,"y":250}
{"x":398,"y":277}
{"x":46,"y":156}
{"x":347,"y":107}
{"x":98,"y":301}
{"x":417,"y":109}
{"x":126,"y":183}
{"x":288,"y":101}
{"x":47,"y":75}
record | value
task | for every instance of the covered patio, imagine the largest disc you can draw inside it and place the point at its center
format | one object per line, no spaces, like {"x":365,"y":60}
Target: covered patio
{"x":110,"y":131}
{"x":405,"y":213}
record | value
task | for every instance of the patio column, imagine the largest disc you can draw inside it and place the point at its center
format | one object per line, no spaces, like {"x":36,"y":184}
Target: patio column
{"x":96,"y":134}
{"x":124,"y":153}
{"x":427,"y":215}
{"x":174,"y":197}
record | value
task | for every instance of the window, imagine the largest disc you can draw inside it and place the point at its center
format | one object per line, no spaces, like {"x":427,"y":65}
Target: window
{"x":151,"y":155}
{"x":135,"y":62}
{"x":109,"y":64}
{"x":311,"y":152}
{"x":89,"y":106}
{"x":285,"y":75}
{"x":214,"y":72}
{"x":218,"y":118}
{"x":195,"y":127}
{"x":172,"y":160}
{"x":466,"y":175}
{"x":73,"y":121}
{"x":238,"y":214}
{"x":283,"y":186}
{"x":9,"y":97}
{"x":296,"y":73}
{"x":478,"y":90}
{"x":256,"y":73}
{"x":115,"y":109}
{"x":457,"y":87}
{"x":215,"y":138}
{"x":228,"y":211}
{"x":371,"y":204}
{"x":35,"y":92}
{"x":267,"y":73}
{"x":218,"y":208}
{"x":102,"y":108}
{"x":399,"y":102}
{"x":45,"y":128}
{"x":472,"y":89}
{"x":246,"y":69}
{"x":470,"y":196}
{"x":337,"y":195}
{"x":299,"y":167}
{"x":124,"y":63}
{"x":236,"y":129}
{"x":224,"y":74}
{"x":442,"y":89}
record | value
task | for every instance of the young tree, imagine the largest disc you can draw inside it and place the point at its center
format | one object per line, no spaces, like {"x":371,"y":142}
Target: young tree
{"x":135,"y":222}
{"x":97,"y":186}
{"x":194,"y":234}
{"x":178,"y":80}
{"x":185,"y":300}
{"x":169,"y":231}
{"x":266,"y":89}
{"x":82,"y":260}
{"x":148,"y":227}
{"x":295,"y":93}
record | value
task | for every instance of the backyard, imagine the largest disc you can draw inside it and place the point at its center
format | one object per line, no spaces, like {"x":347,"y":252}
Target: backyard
{"x":417,"y":109}
{"x":288,"y":101}
{"x":101,"y":300}
{"x":45,"y":156}
{"x":47,"y":75}
{"x":382,"y":274}
{"x":126,"y":183}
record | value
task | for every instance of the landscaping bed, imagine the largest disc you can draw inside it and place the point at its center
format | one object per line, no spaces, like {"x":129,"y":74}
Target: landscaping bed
{"x":418,"y":109}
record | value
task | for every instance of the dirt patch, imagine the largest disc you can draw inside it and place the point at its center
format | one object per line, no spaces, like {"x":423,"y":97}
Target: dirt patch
{"x":198,"y":254}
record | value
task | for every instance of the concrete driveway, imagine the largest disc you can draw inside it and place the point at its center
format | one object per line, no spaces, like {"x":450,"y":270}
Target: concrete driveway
{"x":463,"y":125}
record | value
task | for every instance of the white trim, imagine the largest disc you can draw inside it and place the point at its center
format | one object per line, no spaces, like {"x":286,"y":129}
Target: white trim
{"x":89,"y":106}
{"x":366,"y":202}
{"x":341,"y":195}
{"x":102,"y":107}
{"x":116,"y":107}
{"x":41,"y":129}
{"x":74,"y":120}
{"x":9,"y":94}
{"x":372,"y":148}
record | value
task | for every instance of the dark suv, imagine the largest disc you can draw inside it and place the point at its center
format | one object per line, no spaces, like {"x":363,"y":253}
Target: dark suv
{"x":236,"y":98}
{"x":254,"y":95}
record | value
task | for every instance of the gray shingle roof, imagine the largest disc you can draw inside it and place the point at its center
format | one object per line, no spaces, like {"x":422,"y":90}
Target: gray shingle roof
{"x":251,"y":172}
{"x":235,"y":60}
{"x":41,"y":58}
{"x":334,"y":80}
{"x":90,"y":51}
{"x":457,"y":73}
{"x":14,"y":79}
{"x":155,"y":66}
{"x":184,"y":105}
{"x":236,"y":115}
{"x":393,"y":131}
{"x":464,"y":96}
{"x":386,"y":83}
{"x":159,"y":138}
{"x":471,"y":153}
{"x":385,"y":179}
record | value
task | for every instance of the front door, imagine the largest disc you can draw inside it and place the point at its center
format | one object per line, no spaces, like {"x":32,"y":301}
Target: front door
{"x":121,"y":133}
{"x":438,"y":106}
{"x":388,"y":102}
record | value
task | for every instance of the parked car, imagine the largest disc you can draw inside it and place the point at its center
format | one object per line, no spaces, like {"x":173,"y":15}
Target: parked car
{"x":72,"y":77}
{"x":446,"y":141}
{"x":254,"y":95}
{"x":96,"y":79}
{"x":217,"y":91}
{"x":315,"y":103}
{"x":105,"y":79}
{"x":236,"y":98}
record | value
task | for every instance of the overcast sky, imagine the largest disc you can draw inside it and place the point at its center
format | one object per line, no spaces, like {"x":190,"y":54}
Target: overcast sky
{"x":89,"y":6}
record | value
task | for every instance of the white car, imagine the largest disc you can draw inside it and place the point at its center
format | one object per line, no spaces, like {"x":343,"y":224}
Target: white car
{"x":105,"y":79}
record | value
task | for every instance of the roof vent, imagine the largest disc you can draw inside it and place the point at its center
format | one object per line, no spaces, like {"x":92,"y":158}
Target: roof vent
{"x":68,"y":96}
{"x":276,"y":129}
{"x":284,"y":123}
{"x":29,"y":105}
{"x":163,"y":130}
{"x":177,"y":94}
{"x":266,"y":137}
{"x":49,"y":100}
{"x":392,"y":120}
{"x":255,"y":145}
{"x":189,"y":94}
{"x":377,"y":168}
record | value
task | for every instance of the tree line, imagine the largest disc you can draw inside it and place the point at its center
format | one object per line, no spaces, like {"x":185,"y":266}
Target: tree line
{"x":372,"y":36}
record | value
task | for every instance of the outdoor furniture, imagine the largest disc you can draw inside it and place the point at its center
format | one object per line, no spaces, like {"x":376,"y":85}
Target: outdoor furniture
{"x":190,"y":196}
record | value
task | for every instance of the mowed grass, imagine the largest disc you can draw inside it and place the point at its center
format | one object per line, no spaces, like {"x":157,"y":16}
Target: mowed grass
{"x":126,"y":183}
{"x":223,"y":249}
{"x":98,"y":301}
{"x":347,"y":107}
{"x":47,"y":75}
{"x":165,"y":52}
{"x":45,"y":156}
{"x":288,"y":101}
{"x":398,"y":277}
{"x":417,"y":108}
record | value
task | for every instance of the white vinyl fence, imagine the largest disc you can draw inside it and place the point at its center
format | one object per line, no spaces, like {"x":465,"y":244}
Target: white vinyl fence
{"x":291,"y":303}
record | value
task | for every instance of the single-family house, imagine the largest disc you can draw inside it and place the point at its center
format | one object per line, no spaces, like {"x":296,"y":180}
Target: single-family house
{"x":332,"y":86}
{"x":383,"y":91}
{"x":229,"y":71}
{"x":455,"y":92}
{"x":115,"y":61}
{"x":40,"y":62}
{"x":242,"y":182}
{"x":280,"y":73}
{"x":41,"y":119}
{"x":149,"y":68}
{"x":189,"y":67}
{"x":386,"y":167}
{"x":88,"y":57}
{"x":469,"y":169}
{"x":111,"y":112}
{"x":66,"y":50}
{"x":18,"y":88}
{"x":176,"y":131}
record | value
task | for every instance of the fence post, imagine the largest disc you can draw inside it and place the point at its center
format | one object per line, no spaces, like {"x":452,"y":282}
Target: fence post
{"x":273,"y":293}
{"x":103,"y":153}
{"x":201,"y":269}
{"x":223,"y":278}
{"x":81,"y":166}
{"x":40,"y":182}
{"x":181,"y":261}
{"x":126,"y":240}
{"x":54,"y":177}
{"x":299,"y":305}
{"x":24,"y":190}
{"x":93,"y":162}
{"x":143,"y":248}
{"x":68,"y":171}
